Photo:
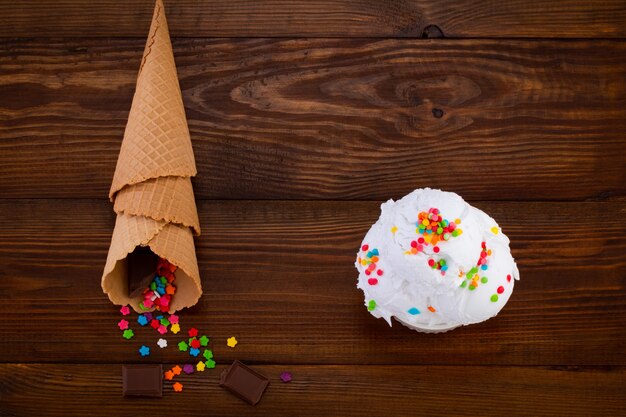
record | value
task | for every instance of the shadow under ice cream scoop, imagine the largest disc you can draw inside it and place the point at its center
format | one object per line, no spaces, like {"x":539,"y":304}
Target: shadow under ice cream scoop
{"x":434,"y":262}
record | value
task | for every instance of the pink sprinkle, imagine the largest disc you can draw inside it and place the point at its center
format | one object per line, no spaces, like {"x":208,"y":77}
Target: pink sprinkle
{"x":123,"y":324}
{"x":125,"y":310}
{"x":148,"y":303}
{"x":162,"y":329}
{"x":173,"y":318}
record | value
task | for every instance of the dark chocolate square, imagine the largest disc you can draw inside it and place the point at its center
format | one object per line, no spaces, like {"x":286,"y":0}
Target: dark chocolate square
{"x":142,"y":380}
{"x":244,"y":382}
{"x":142,"y":266}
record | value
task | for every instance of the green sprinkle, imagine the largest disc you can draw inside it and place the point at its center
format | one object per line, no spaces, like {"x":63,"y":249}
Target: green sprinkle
{"x":182,"y":346}
{"x":153,"y":286}
{"x":371,"y":306}
{"x":204,"y":341}
{"x":165,"y":322}
{"x":472,"y":287}
{"x":142,"y":307}
{"x":128,"y":333}
{"x":439,"y":230}
{"x":464,"y":284}
{"x":494,"y":298}
{"x":208,"y":353}
{"x":210,"y":364}
{"x":484,"y":280}
{"x":455,"y":233}
{"x":163,"y":280}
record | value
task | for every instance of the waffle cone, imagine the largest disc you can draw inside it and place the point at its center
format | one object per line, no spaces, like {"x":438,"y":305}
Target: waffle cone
{"x":151,"y":187}
{"x":156,"y":141}
{"x":166,"y":198}
{"x":167,"y":240}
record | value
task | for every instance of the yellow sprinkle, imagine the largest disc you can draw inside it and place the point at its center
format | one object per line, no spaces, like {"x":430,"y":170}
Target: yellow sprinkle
{"x":428,"y":238}
{"x":489,"y":252}
{"x":363,"y":262}
{"x":494,"y":230}
{"x":457,"y":221}
{"x":460,"y":232}
{"x":394,"y":229}
{"x":417,"y":230}
{"x":425,"y":222}
{"x":231,"y":342}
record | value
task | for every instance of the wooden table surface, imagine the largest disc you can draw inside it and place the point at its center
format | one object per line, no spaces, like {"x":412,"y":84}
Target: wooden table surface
{"x":305,"y":116}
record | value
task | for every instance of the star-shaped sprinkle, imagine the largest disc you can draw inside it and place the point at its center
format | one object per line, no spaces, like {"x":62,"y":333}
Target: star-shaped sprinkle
{"x":208,"y":354}
{"x":148,"y":315}
{"x":128,"y":333}
{"x":231,"y":342}
{"x":195,"y":343}
{"x":210,"y":363}
{"x":200,"y":366}
{"x":169,"y":375}
{"x":165,"y":322}
{"x":123,"y":324}
{"x":182,"y":346}
{"x":154,"y":323}
{"x":142,"y":320}
{"x":144,"y":350}
{"x":162,"y":343}
{"x":173,"y":318}
{"x":125,"y":311}
{"x":177,"y":369}
{"x":193,"y":332}
{"x":188,"y":368}
{"x":175,"y":328}
{"x":178,"y":387}
{"x":204,"y":341}
{"x":162,"y":329}
{"x":194,"y":351}
{"x":286,"y":377}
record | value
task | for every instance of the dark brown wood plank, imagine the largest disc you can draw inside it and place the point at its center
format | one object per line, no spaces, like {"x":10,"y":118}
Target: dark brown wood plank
{"x":280,"y":277}
{"x":95,"y":390}
{"x":369,"y":18}
{"x":329,"y":119}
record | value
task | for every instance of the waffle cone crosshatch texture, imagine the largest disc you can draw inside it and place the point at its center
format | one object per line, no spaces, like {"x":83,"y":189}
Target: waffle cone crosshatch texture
{"x":151,"y":189}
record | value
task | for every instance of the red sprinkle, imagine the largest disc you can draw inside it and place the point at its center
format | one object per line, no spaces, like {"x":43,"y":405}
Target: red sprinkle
{"x":500,"y":289}
{"x":508,"y":278}
{"x":365,"y":247}
{"x":372,"y":281}
{"x":420,"y":240}
{"x":413,"y":244}
{"x":431,"y":262}
{"x":436,"y":249}
{"x":379,"y":272}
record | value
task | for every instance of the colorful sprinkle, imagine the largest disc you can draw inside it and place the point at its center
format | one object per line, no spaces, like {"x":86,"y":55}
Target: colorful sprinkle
{"x":413,"y":311}
{"x":432,"y":309}
{"x":144,"y":350}
{"x":394,"y":229}
{"x":371,"y":306}
{"x":177,"y":370}
{"x":175,"y":328}
{"x":508,"y":278}
{"x":231,"y":342}
{"x":188,"y":368}
{"x":494,"y":230}
{"x":194,"y":352}
{"x":178,"y":387}
{"x":193,"y":332}
{"x":500,"y":289}
{"x":286,"y":377}
{"x":372,"y":281}
{"x":123,"y":324}
{"x":204,"y":341}
{"x":162,"y":343}
{"x":142,"y":320}
{"x":494,"y":298}
{"x":182,"y":346}
{"x":128,"y":333}
{"x":125,"y":310}
{"x":209,"y":363}
{"x":208,"y":354}
{"x":200,"y":366}
{"x":484,"y":280}
{"x":169,"y":375}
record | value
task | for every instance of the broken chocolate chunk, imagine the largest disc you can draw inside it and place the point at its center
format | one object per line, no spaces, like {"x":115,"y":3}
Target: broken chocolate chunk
{"x":142,"y":265}
{"x":244,"y":382}
{"x":142,"y":380}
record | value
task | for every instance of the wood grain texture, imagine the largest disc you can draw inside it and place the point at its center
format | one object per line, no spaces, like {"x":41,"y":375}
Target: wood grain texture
{"x":95,"y":390}
{"x":346,"y":18}
{"x":280,"y":276}
{"x":329,"y":119}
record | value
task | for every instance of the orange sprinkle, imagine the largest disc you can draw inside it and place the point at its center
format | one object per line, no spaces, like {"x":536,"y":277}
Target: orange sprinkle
{"x":431,"y":309}
{"x":413,"y":251}
{"x":374,"y":259}
{"x":457,"y":221}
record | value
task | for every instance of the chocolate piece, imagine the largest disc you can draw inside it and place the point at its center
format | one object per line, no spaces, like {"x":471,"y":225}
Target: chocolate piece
{"x":142,"y":380}
{"x":244,"y":382}
{"x":142,"y":265}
